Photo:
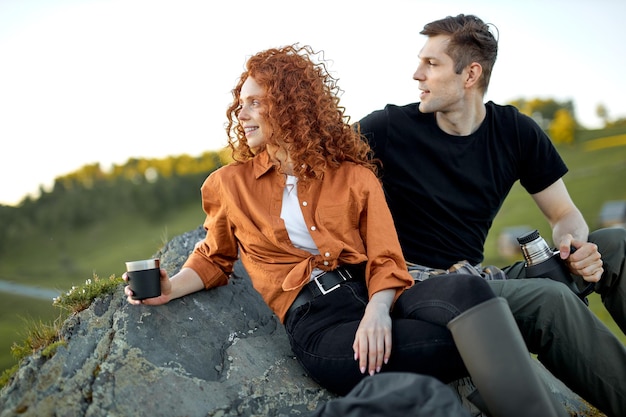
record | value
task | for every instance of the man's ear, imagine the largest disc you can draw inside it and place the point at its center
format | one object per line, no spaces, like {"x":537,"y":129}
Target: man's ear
{"x":473,"y":73}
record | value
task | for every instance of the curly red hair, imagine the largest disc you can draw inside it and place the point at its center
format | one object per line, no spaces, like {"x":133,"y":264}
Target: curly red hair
{"x":302,"y":108}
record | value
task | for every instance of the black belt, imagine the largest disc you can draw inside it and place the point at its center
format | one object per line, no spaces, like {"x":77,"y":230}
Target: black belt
{"x":325,"y":283}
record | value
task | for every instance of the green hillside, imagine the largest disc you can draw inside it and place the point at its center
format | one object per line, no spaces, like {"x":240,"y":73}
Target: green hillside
{"x":59,"y":260}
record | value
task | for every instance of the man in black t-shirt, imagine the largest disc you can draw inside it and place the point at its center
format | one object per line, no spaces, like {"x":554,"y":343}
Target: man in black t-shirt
{"x":448,"y":163}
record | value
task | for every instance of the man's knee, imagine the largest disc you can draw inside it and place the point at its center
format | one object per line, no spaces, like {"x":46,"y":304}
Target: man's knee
{"x":609,"y":239}
{"x":612,"y":247}
{"x":535,"y":296}
{"x":556,"y":293}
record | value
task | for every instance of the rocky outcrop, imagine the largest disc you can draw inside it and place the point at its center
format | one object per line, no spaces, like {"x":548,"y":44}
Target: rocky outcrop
{"x":213,"y":353}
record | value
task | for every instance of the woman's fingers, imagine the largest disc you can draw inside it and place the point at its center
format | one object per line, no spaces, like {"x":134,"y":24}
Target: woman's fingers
{"x":372,"y":348}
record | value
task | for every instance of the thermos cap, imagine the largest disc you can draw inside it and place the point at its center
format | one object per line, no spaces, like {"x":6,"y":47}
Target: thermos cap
{"x":528,"y":237}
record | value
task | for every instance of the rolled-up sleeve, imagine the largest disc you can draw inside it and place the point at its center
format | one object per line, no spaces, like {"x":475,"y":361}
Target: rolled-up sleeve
{"x":213,"y":260}
{"x":386,"y":267}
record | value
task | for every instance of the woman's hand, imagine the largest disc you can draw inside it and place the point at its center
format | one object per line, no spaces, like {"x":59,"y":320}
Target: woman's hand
{"x":166,"y":290}
{"x":372,"y":342}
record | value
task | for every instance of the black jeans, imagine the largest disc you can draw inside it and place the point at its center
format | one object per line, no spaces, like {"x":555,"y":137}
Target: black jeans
{"x":322,"y":332}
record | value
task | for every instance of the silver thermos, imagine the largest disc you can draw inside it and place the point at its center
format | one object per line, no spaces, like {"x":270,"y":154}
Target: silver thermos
{"x":543,"y":262}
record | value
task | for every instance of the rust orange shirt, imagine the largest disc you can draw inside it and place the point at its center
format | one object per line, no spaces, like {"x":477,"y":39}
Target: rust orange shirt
{"x":345,"y":212}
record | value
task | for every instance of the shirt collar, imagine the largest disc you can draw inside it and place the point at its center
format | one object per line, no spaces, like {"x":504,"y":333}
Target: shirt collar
{"x":262,"y":164}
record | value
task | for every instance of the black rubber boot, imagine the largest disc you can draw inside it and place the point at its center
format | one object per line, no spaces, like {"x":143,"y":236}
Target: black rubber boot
{"x":499,"y":363}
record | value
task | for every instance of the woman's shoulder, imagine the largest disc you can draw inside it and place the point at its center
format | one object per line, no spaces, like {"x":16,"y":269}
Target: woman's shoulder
{"x":226,"y":173}
{"x":223,"y":171}
{"x":237,"y":166}
{"x":354,"y":170}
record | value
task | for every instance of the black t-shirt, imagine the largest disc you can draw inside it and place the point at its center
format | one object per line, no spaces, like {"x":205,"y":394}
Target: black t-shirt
{"x":443,"y":190}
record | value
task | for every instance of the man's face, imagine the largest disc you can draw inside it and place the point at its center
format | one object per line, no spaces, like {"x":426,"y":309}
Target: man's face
{"x":441,"y":88}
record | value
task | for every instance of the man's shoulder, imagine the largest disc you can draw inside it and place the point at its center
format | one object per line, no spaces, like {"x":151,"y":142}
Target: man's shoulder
{"x":505,"y":114}
{"x":411,"y":109}
{"x":390,"y":109}
{"x":503,"y":110}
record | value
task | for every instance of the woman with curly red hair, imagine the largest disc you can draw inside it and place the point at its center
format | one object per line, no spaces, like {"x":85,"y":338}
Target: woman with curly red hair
{"x":303,"y":209}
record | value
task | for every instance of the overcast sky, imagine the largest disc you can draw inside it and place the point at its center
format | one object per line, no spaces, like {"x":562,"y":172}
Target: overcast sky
{"x":84,"y":81}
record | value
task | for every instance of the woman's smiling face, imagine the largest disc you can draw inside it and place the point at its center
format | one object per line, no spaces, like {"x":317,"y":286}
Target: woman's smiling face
{"x":252,"y":115}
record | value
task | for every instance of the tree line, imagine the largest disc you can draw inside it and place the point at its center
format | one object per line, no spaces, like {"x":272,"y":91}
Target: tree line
{"x":558,"y":119}
{"x":149,"y":187}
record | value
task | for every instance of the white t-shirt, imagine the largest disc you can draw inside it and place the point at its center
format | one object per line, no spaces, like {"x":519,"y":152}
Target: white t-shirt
{"x":291,"y":213}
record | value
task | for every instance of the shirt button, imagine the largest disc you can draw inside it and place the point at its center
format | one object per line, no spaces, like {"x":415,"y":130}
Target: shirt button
{"x":326,"y":263}
{"x":327,"y":254}
{"x":304,"y":203}
{"x":313,"y":228}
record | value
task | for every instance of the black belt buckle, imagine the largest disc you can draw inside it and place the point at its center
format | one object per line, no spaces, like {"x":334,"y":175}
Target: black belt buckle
{"x":308,"y":293}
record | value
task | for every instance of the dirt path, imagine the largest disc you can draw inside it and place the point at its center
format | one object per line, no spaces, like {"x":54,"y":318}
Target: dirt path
{"x":28,"y":291}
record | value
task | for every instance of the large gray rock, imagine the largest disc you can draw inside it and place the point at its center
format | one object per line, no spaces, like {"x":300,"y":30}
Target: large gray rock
{"x":213,"y":353}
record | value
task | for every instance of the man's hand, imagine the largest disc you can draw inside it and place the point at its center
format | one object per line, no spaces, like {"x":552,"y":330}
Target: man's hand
{"x":585,"y":261}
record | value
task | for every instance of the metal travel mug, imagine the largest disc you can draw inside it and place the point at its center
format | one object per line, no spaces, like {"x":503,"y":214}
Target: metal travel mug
{"x":144,"y":278}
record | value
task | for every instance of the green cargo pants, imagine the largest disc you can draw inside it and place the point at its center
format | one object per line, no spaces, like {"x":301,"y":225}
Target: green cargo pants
{"x":566,"y":336}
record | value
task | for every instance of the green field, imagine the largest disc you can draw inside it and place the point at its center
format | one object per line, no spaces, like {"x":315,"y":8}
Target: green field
{"x":59,"y":259}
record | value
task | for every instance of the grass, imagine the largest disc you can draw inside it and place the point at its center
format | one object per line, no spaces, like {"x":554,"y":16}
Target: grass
{"x":79,"y":298}
{"x":16,"y":314}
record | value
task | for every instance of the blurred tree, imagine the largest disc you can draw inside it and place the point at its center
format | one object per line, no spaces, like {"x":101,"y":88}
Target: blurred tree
{"x":616,"y":123}
{"x":603,"y":113}
{"x":7,"y":222}
{"x":543,"y":110}
{"x":562,"y":127}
